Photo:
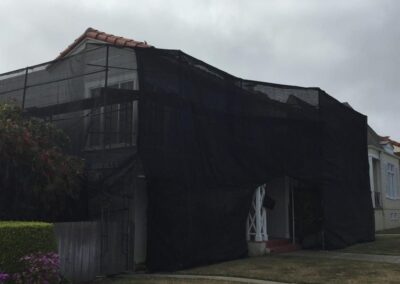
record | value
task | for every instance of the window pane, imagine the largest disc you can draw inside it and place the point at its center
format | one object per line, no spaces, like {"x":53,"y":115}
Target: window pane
{"x":111,"y":124}
{"x":125,"y":123}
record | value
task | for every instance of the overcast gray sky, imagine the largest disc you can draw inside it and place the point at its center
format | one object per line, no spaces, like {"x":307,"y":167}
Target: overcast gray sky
{"x":350,"y":49}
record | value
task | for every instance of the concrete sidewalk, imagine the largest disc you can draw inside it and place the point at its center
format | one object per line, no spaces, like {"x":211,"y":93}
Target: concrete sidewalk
{"x":204,"y":277}
{"x":345,"y":255}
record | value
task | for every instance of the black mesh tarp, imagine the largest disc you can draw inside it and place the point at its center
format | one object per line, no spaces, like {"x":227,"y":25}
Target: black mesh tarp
{"x":208,"y":139}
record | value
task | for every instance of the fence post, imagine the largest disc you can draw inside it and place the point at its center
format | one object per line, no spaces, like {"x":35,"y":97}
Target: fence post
{"x":105,"y":101}
{"x":25,"y":87}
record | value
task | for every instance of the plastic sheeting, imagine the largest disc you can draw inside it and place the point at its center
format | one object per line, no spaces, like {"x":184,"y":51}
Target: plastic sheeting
{"x":208,"y":139}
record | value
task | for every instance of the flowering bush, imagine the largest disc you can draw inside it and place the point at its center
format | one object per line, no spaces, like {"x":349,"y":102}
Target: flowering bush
{"x":41,"y":268}
{"x":18,"y":239}
{"x":3,"y":277}
{"x":37,"y":178}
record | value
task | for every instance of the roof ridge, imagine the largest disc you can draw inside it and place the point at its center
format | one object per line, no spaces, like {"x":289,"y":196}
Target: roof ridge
{"x":105,"y":37}
{"x":90,"y":29}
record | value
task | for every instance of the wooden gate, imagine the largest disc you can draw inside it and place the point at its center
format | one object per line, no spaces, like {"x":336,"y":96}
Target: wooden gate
{"x":117,"y":241}
{"x":79,"y":249}
{"x":103,"y":247}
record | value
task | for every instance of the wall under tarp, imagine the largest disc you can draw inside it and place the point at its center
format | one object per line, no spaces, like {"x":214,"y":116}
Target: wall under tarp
{"x":208,"y":139}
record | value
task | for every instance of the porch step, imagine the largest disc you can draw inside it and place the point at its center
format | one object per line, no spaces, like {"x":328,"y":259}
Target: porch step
{"x":277,"y":243}
{"x":284,"y":248}
{"x":281,"y":245}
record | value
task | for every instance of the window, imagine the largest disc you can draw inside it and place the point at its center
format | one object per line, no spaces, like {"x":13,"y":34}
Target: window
{"x":375,"y":180}
{"x":392,"y":181}
{"x":112,"y":125}
{"x":394,"y":216}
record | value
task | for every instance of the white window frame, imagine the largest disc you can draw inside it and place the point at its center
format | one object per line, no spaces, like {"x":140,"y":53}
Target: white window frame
{"x":392,"y":181}
{"x":375,"y":179}
{"x":394,"y":216}
{"x":120,"y":79}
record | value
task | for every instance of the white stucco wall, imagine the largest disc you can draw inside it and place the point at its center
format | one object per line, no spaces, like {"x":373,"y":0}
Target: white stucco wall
{"x":379,"y":220}
{"x":388,"y":216}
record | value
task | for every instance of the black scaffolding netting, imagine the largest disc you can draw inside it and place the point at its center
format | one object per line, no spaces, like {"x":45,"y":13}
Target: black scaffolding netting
{"x":90,"y":95}
{"x":208,"y":139}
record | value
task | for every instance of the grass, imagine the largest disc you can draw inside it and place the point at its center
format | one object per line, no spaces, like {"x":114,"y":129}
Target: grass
{"x":294,"y":269}
{"x":158,"y":280}
{"x":387,"y":245}
{"x":390,"y":231}
{"x":281,"y":268}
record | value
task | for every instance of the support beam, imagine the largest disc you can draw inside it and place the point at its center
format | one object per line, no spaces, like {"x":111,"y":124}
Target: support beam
{"x":293,"y":219}
{"x":108,"y":96}
{"x":371,"y":179}
{"x":257,"y":218}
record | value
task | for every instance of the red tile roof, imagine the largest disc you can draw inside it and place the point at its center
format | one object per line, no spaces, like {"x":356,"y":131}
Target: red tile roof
{"x":395,"y":143}
{"x":91,"y":33}
{"x":386,"y":139}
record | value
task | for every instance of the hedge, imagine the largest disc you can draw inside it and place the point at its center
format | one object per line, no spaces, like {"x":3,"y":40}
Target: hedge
{"x":18,"y":239}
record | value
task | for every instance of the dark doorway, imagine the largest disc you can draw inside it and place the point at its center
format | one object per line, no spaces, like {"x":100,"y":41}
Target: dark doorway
{"x":308,"y":215}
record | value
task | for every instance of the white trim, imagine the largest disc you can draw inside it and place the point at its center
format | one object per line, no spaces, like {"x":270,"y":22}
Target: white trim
{"x":380,"y":150}
{"x":256,"y":224}
{"x":115,"y":79}
{"x":373,"y":155}
{"x":371,"y":179}
{"x":392,"y":181}
{"x":82,"y":46}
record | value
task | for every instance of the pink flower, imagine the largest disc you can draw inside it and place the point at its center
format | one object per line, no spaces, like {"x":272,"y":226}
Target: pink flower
{"x":4,"y":277}
{"x":41,"y":268}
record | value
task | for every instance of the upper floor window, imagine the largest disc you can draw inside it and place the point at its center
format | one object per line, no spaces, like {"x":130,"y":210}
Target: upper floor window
{"x":113,"y":125}
{"x":392,"y":190}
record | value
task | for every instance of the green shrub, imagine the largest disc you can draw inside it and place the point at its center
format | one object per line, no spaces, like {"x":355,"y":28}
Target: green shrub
{"x":18,"y":239}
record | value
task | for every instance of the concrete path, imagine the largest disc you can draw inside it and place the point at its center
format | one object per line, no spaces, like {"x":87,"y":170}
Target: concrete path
{"x":345,"y":255}
{"x":205,"y":277}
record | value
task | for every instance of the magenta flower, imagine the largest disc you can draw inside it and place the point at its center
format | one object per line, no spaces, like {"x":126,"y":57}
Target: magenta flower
{"x":41,"y":268}
{"x":4,"y":277}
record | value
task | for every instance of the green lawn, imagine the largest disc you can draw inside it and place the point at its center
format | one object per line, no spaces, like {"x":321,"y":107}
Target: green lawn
{"x":296,"y":269}
{"x":290,"y":269}
{"x":388,"y":245}
{"x":304,"y":270}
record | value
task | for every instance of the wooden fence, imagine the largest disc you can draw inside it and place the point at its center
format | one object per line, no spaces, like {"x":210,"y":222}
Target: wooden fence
{"x":102,"y":247}
{"x":79,"y":247}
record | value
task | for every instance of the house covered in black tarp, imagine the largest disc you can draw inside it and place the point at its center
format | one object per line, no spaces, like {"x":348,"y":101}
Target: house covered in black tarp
{"x":175,"y":149}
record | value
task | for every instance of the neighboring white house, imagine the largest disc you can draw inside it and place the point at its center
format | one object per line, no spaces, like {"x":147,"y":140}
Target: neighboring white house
{"x":384,"y":169}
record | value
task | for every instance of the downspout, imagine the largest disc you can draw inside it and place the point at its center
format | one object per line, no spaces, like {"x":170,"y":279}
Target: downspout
{"x":293,"y":221}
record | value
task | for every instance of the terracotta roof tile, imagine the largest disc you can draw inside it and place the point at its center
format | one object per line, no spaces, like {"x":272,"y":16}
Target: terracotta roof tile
{"x":101,"y":36}
{"x":386,"y":140}
{"x":91,"y":33}
{"x":121,"y":41}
